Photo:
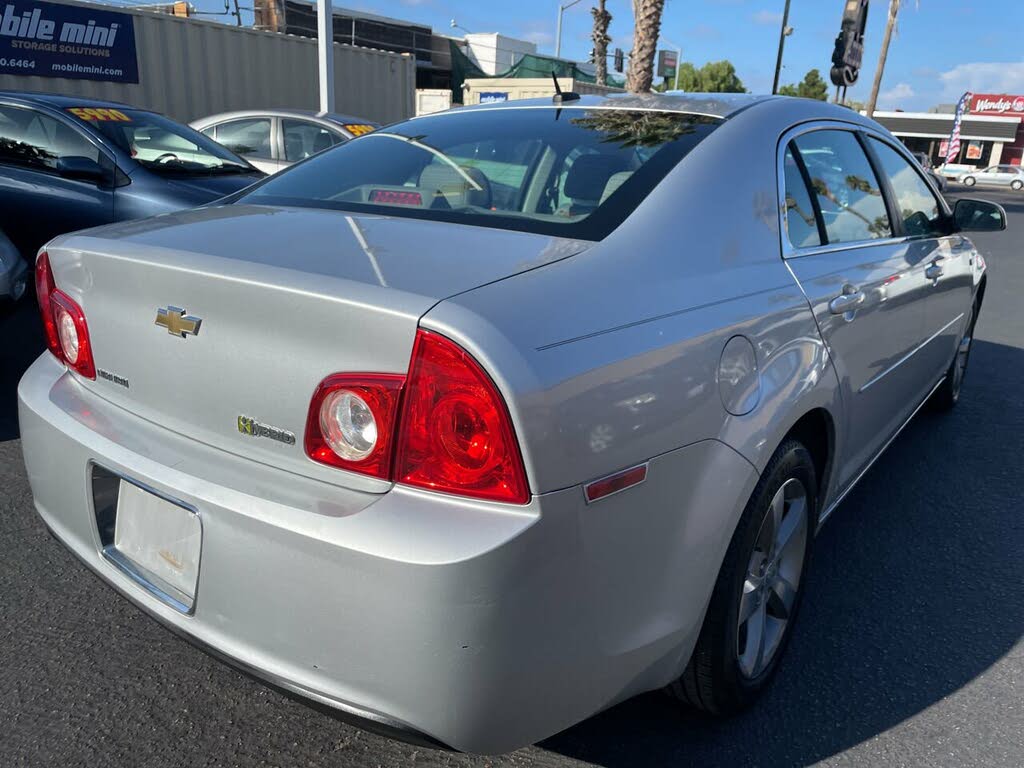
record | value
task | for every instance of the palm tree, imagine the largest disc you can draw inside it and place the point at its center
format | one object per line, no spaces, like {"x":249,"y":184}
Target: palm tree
{"x":647,"y":20}
{"x":894,"y":9}
{"x":601,"y":39}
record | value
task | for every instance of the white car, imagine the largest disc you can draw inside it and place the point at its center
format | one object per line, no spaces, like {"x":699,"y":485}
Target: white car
{"x":1011,"y":176}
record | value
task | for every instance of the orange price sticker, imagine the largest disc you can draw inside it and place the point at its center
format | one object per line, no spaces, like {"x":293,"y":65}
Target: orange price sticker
{"x":100,"y":115}
{"x":358,"y":129}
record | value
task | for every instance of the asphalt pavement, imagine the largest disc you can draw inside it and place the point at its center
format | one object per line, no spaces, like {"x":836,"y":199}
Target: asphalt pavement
{"x":908,"y":651}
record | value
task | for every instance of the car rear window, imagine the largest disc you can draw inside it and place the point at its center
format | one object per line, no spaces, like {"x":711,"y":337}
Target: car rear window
{"x":571,"y":172}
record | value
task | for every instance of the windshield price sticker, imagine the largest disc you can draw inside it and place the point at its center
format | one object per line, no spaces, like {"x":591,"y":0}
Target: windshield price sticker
{"x":100,"y":115}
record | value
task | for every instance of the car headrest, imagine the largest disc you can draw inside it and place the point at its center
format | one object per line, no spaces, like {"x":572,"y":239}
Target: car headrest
{"x":295,"y":147}
{"x":616,"y":181}
{"x":454,"y":184}
{"x":589,"y":175}
{"x":322,"y":142}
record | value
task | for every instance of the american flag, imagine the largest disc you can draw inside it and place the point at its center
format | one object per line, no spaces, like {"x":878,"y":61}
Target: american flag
{"x":953,"y":152}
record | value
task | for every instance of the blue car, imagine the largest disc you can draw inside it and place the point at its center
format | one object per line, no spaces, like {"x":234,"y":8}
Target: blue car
{"x":68,"y":163}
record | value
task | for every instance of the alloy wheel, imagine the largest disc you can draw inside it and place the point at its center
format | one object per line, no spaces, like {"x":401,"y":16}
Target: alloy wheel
{"x":772,"y":580}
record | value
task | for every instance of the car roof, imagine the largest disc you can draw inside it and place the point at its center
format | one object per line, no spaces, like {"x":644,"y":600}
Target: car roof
{"x":62,"y":102}
{"x":712,"y":104}
{"x":332,"y":117}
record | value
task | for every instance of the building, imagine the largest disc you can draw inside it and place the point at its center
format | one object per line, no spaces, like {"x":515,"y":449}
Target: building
{"x":491,"y":52}
{"x":991,"y":133}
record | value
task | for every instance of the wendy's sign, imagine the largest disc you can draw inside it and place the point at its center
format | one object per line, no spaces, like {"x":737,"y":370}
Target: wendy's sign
{"x":997,"y":104}
{"x":73,"y":41}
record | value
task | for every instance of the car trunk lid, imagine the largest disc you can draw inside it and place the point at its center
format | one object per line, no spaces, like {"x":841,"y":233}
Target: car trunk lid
{"x":257,"y":305}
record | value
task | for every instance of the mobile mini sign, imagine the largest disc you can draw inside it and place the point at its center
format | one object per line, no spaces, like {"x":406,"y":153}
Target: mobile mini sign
{"x":78,"y":42}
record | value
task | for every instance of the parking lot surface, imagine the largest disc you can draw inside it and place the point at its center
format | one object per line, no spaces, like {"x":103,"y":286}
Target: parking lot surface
{"x":908,"y":651}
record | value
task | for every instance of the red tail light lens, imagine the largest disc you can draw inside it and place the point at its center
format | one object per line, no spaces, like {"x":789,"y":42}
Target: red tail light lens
{"x":456,"y":434}
{"x":67,"y":333}
{"x":45,"y":288}
{"x":351,"y":422}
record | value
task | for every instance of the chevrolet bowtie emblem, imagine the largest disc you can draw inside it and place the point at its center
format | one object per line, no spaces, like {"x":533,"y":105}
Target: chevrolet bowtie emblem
{"x":177,"y":322}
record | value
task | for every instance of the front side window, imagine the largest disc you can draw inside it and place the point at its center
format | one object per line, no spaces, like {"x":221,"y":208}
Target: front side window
{"x":922,"y":216}
{"x":160,"y":144}
{"x":847,"y":191}
{"x":35,"y":140}
{"x":801,"y":220}
{"x":304,"y":139}
{"x":247,"y":138}
{"x":572,"y":172}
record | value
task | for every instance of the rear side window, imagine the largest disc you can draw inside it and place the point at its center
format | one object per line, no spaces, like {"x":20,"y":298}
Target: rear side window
{"x":922,"y":216}
{"x":846,"y":188}
{"x":248,"y":138}
{"x":570,"y":172}
{"x":304,"y":139}
{"x":801,"y":220}
{"x":35,"y":140}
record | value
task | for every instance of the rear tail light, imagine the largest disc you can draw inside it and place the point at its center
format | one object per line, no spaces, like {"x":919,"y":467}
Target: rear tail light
{"x":456,"y":434}
{"x":351,"y":422}
{"x":451,"y":433}
{"x":67,"y":334}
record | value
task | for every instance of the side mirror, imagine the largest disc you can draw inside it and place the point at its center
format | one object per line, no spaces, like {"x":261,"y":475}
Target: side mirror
{"x":80,"y":168}
{"x":979,"y":216}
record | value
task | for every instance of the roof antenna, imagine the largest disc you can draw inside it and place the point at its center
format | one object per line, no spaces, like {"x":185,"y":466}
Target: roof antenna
{"x":559,"y":96}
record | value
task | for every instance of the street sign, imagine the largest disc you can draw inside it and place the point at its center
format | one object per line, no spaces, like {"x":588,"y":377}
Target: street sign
{"x":667,"y":63}
{"x":849,"y":49}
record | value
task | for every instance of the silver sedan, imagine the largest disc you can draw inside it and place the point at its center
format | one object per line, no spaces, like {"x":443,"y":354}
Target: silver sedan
{"x":492,"y":419}
{"x":273,"y":139}
{"x":1011,"y":176}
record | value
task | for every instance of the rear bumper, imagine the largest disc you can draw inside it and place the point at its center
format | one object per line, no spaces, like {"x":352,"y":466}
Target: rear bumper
{"x":438,"y":620}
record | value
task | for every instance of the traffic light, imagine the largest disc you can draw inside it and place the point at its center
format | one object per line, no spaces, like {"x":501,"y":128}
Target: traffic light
{"x":592,"y":58}
{"x":849,"y":50}
{"x":620,"y":60}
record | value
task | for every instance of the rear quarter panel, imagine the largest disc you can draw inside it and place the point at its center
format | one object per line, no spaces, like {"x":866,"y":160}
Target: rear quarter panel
{"x":613,"y":357}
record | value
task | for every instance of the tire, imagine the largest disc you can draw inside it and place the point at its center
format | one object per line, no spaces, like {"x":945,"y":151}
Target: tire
{"x":1017,"y":185}
{"x":720,"y":678}
{"x":969,"y":181}
{"x":947,"y":395}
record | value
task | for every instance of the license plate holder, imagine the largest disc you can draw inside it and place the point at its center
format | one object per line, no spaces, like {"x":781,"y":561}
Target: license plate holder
{"x":152,"y":538}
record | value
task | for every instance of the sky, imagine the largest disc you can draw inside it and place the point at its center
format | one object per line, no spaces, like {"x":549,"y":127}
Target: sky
{"x":941,"y":47}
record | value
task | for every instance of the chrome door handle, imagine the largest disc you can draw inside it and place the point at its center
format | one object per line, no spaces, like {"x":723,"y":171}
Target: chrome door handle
{"x":935,"y":271}
{"x":848,"y":302}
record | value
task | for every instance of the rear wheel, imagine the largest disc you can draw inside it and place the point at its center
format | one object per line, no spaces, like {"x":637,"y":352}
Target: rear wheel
{"x":1017,"y":185}
{"x":758,"y":591}
{"x":948,"y":393}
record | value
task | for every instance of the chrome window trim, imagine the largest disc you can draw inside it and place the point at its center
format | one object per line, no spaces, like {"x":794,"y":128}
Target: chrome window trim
{"x":790,"y":251}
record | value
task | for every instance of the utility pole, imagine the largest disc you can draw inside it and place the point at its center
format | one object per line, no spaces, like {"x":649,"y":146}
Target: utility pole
{"x":325,"y":53}
{"x":558,"y":29}
{"x":894,"y":9}
{"x":785,"y":32}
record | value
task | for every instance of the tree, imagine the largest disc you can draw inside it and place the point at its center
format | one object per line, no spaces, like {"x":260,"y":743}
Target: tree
{"x":713,"y":77}
{"x":601,"y":39}
{"x":720,"y":77}
{"x":812,"y":87}
{"x":689,"y":78}
{"x":647,"y":27}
